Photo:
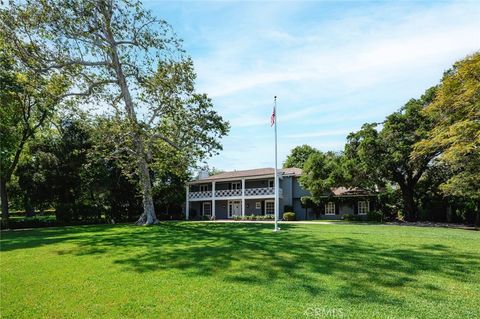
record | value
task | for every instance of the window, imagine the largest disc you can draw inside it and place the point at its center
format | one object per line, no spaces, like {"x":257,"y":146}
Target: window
{"x":330,"y":208}
{"x":271,"y":183}
{"x":363,"y":207}
{"x":203,"y":188}
{"x":269,"y":207}
{"x":258,"y":205}
{"x":235,"y":185}
{"x":207,"y":209}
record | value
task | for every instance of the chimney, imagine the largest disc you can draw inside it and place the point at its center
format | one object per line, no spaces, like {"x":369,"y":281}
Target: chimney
{"x":202,"y":174}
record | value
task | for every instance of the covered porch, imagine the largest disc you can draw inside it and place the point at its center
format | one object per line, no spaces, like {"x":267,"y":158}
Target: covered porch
{"x":228,"y":208}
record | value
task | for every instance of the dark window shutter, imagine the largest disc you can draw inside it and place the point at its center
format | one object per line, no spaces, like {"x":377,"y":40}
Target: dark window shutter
{"x":337,"y":208}
{"x":355,"y":208}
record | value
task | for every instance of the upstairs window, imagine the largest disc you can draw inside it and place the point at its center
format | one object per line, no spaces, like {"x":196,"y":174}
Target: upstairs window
{"x":271,"y":183}
{"x":204,"y":188}
{"x":236,"y":185}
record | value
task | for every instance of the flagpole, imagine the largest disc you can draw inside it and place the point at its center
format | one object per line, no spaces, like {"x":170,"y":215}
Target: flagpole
{"x":276,"y":180}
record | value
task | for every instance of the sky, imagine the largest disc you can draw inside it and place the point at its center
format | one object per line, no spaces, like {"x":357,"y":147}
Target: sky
{"x":333,"y":65}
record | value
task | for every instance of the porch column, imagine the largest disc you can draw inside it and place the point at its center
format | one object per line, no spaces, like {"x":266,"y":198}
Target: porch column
{"x":187,"y":203}
{"x":213,"y":200}
{"x":243,"y":196}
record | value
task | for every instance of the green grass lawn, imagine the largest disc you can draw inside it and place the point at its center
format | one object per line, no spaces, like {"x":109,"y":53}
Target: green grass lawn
{"x":205,"y":270}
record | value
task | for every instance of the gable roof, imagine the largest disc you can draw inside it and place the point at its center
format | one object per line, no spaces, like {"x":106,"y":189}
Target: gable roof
{"x":293,"y":171}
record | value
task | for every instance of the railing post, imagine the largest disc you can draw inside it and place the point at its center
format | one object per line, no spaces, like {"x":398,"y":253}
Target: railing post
{"x":187,"y":203}
{"x":213,"y":200}
{"x":243,"y":196}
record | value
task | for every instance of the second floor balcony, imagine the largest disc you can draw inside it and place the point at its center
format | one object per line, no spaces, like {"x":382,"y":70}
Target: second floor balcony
{"x":229,"y":190}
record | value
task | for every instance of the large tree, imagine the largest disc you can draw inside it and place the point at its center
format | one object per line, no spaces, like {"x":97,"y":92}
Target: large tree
{"x":299,"y":155}
{"x":455,"y":111}
{"x":120,"y":52}
{"x":28,"y":100}
{"x":381,"y":153}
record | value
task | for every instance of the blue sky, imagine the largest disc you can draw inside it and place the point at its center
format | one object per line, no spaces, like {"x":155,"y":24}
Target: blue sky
{"x":333,"y":65}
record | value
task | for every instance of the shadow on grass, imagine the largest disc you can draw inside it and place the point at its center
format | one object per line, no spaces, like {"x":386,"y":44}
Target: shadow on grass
{"x":253,"y":254}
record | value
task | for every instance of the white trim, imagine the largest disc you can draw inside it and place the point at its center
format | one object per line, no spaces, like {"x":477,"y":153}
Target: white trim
{"x":203,"y":187}
{"x":327,"y":208}
{"x":203,"y":208}
{"x":265,"y":206}
{"x":243,"y":197}
{"x":213,"y":200}
{"x":187,"y":203}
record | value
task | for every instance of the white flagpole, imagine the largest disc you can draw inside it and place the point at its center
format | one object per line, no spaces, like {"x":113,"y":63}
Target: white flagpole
{"x":276,"y":180}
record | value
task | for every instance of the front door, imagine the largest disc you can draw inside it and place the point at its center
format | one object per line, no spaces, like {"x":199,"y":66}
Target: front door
{"x":234,"y":208}
{"x":207,"y":209}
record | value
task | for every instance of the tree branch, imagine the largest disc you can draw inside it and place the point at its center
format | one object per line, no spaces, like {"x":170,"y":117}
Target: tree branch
{"x":89,"y":90}
{"x":166,"y":139}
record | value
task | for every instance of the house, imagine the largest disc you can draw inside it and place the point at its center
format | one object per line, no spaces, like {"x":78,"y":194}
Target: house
{"x":247,"y":192}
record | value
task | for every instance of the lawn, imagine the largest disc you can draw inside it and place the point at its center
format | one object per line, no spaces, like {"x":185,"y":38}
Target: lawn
{"x":205,"y":270}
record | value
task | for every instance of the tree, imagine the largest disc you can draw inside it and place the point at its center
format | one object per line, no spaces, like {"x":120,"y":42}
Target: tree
{"x":378,"y":154}
{"x":119,"y":52}
{"x":455,"y":110}
{"x":299,"y":155}
{"x":28,"y":100}
{"x":321,"y":172}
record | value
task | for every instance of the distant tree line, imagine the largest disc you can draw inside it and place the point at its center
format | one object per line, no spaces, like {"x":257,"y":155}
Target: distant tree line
{"x":423,"y":160}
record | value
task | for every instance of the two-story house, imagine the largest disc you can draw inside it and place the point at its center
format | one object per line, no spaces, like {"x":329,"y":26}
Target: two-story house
{"x":247,"y":192}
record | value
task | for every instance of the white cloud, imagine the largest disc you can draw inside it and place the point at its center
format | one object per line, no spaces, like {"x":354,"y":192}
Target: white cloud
{"x":331,"y":75}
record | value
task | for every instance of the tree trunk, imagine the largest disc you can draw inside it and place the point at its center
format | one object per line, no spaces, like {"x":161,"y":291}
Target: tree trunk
{"x":409,"y":207}
{"x":4,"y":200}
{"x":148,"y":216}
{"x":477,"y":219}
{"x":29,"y":209}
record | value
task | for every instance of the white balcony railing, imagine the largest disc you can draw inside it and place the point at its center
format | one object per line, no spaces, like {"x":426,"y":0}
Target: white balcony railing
{"x":194,"y":195}
{"x":263,"y":191}
{"x":228,"y":192}
{"x":259,"y":191}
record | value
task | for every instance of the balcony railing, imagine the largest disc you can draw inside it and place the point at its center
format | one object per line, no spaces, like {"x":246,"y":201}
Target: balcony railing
{"x":194,"y":195}
{"x":228,"y":192}
{"x":259,"y":191}
{"x":222,"y":193}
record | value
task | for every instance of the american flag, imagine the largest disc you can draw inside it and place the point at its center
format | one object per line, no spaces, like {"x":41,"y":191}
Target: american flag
{"x":272,"y":118}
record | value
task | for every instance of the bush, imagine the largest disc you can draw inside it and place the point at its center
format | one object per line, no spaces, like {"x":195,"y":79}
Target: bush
{"x":237,"y":217}
{"x":375,"y":216}
{"x":288,"y":208}
{"x":289,"y":216}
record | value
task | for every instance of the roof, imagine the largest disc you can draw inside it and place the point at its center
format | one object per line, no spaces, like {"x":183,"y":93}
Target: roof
{"x":293,"y":171}
{"x":354,"y":191}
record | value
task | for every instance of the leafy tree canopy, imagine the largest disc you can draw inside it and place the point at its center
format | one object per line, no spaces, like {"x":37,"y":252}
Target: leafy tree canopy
{"x":299,"y":155}
{"x":455,"y":111}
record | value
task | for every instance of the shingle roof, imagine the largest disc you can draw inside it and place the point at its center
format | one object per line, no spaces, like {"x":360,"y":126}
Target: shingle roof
{"x":253,"y":172}
{"x":344,"y":191}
